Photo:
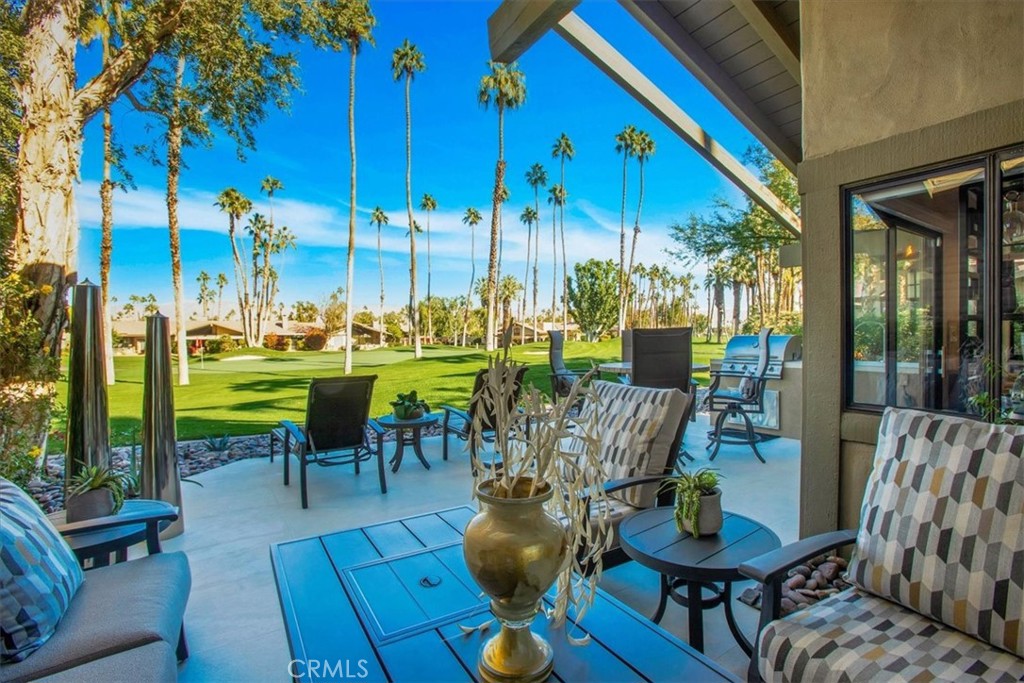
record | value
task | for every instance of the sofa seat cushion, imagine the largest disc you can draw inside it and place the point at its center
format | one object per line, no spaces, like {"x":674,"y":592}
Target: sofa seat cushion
{"x":39,"y":575}
{"x":856,"y":636}
{"x":118,"y":608}
{"x":152,"y":663}
{"x":942,"y":524}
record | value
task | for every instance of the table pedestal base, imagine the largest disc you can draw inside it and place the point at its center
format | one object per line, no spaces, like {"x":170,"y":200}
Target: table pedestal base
{"x":696,"y":602}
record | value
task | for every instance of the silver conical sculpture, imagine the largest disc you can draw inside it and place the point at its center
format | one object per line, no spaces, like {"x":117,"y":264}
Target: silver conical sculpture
{"x":160,"y":479}
{"x":88,"y":440}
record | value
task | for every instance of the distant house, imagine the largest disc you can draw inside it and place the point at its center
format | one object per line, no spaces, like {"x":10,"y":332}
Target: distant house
{"x":362,"y":336}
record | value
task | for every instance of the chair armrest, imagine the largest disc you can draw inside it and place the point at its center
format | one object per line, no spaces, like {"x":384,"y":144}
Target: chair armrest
{"x":377,"y":429}
{"x":629,"y":482}
{"x":773,"y":566}
{"x":457,"y":412}
{"x":293,"y":431}
{"x":159,"y":511}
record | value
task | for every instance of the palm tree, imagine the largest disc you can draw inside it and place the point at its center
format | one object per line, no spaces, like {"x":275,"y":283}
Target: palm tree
{"x":529,"y":217}
{"x":644,"y":149}
{"x":406,"y":62}
{"x":508,"y":289}
{"x":505,"y":87}
{"x":269,"y":185}
{"x":235,"y":205}
{"x":357,"y":26}
{"x":625,"y":143}
{"x":556,"y":197}
{"x":380,"y":218}
{"x":429,"y":204}
{"x":537,"y":177}
{"x":562,"y":150}
{"x":222,"y":282}
{"x":472,"y":218}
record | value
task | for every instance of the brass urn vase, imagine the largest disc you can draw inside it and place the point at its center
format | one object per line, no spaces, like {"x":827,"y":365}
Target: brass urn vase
{"x":514,"y":550}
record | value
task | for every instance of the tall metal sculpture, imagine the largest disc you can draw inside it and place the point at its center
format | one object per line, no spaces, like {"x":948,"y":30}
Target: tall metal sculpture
{"x":88,"y":441}
{"x":160,"y":478}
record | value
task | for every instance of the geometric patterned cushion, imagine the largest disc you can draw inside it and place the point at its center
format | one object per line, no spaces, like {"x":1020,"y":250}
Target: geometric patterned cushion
{"x":854,"y":636}
{"x":942,"y":525}
{"x":38,"y":575}
{"x":636,"y":427}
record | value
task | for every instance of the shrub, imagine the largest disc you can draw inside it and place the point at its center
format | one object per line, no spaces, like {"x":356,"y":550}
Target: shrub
{"x":315,"y":340}
{"x":221,"y":344}
{"x":271,"y":340}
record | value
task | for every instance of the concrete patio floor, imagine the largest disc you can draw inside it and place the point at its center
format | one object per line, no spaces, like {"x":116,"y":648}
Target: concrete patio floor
{"x":234,"y":623}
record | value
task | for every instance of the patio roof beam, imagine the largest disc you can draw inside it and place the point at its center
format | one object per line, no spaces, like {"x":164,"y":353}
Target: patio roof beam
{"x":595,"y":48}
{"x":775,"y":34}
{"x":660,"y":23}
{"x":518,"y":24}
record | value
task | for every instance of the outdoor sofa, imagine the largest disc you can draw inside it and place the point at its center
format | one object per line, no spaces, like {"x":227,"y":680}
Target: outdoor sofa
{"x":115,"y":623}
{"x":937,"y":567}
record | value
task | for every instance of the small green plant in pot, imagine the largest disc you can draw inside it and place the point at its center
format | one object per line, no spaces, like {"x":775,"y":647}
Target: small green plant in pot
{"x":698,"y":501}
{"x":409,"y":406}
{"x":95,"y":492}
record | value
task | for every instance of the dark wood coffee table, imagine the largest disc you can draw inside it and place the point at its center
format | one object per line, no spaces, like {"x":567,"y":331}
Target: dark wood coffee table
{"x":407,"y":433}
{"x":385,"y":602}
{"x":650,"y":537}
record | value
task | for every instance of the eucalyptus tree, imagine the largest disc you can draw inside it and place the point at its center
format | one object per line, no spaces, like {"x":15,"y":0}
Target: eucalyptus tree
{"x":625,"y":144}
{"x":537,"y":178}
{"x":471,"y":218}
{"x":504,"y":87}
{"x":556,"y":198}
{"x":406,"y":62}
{"x":562,"y":150}
{"x":429,"y":204}
{"x":528,"y":217}
{"x":644,"y":148}
{"x":380,"y":219}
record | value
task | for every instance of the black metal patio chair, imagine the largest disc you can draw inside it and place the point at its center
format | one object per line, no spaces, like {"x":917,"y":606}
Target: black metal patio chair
{"x":335,"y":432}
{"x":742,"y":401}
{"x":459,"y":422}
{"x":562,"y":378}
{"x":663,"y":359}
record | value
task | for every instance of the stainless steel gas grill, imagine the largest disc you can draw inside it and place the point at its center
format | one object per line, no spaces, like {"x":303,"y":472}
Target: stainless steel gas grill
{"x":781,"y":409}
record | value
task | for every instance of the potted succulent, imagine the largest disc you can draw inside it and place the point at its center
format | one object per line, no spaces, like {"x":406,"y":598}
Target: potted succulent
{"x":698,"y":502}
{"x":95,"y":492}
{"x":534,"y":526}
{"x":409,"y":406}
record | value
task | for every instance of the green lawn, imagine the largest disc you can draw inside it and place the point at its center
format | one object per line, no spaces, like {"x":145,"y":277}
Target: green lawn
{"x":249,"y":396}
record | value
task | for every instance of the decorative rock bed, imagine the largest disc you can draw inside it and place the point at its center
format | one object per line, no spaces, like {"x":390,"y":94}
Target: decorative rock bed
{"x":194,"y":457}
{"x":807,"y":584}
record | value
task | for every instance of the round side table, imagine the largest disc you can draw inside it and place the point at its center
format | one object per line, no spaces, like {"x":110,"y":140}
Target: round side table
{"x":407,"y":433}
{"x":650,"y":537}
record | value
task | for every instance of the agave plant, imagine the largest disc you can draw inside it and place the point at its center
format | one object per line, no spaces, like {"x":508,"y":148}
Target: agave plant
{"x":94,"y":477}
{"x":217,"y":444}
{"x":548,"y":445}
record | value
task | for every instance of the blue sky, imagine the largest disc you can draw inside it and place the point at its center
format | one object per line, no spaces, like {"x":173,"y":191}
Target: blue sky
{"x":454,"y":150}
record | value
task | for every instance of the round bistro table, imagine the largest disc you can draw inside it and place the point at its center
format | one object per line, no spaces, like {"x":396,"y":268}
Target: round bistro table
{"x":407,"y":434}
{"x":650,"y":537}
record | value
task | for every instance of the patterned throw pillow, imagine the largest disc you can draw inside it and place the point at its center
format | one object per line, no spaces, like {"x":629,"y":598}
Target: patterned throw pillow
{"x":38,"y":575}
{"x":636,"y":427}
{"x":942,"y":525}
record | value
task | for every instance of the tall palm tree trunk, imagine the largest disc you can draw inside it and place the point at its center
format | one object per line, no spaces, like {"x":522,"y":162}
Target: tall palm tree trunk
{"x":380,"y":265}
{"x":565,"y":270}
{"x":636,"y":233}
{"x":536,"y":257}
{"x":107,"y":241}
{"x":622,"y":246}
{"x":554,"y":263}
{"x":414,"y":311}
{"x":526,"y":280}
{"x":492,"y":262}
{"x":430,"y":307}
{"x":350,"y":262}
{"x":174,"y":139}
{"x":472,"y":279}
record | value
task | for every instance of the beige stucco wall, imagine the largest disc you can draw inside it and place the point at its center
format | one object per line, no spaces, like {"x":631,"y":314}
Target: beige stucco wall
{"x":876,"y":68}
{"x":888,"y":87}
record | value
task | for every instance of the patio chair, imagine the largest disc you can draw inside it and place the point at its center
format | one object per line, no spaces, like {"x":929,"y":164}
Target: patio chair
{"x":460,"y":422}
{"x":562,"y":378}
{"x":626,"y":341}
{"x":335,"y":432}
{"x":937,"y":582}
{"x":119,"y":622}
{"x":663,"y":359}
{"x":639,"y":430}
{"x":743,"y":401}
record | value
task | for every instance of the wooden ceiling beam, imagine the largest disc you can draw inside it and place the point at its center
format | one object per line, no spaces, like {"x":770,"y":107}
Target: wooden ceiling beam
{"x":667,"y":31}
{"x":518,"y":24}
{"x":775,"y":34}
{"x":596,"y":49}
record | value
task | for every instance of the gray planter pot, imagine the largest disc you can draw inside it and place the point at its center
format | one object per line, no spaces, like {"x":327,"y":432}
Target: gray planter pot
{"x":89,"y":505}
{"x":709,"y":520}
